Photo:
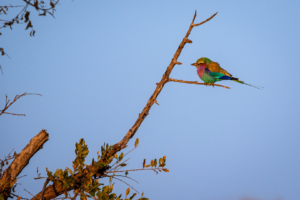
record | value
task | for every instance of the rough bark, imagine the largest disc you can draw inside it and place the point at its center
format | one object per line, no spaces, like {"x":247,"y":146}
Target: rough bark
{"x":21,"y":161}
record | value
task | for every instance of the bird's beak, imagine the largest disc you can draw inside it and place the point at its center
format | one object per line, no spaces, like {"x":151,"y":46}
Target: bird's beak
{"x":195,"y":64}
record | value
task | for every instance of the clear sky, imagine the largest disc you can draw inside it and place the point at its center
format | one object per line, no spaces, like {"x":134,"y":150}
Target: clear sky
{"x":97,"y":63}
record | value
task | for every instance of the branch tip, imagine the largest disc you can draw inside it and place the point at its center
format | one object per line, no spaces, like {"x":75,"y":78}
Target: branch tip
{"x":194,"y":16}
{"x":205,"y":20}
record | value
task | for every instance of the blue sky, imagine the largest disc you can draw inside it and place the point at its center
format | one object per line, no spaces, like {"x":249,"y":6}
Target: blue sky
{"x":97,"y":63}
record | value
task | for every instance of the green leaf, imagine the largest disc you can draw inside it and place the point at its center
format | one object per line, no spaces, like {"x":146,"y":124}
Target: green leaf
{"x":165,"y":170}
{"x":66,"y":194}
{"x":132,"y":196}
{"x":121,"y":156}
{"x":127,"y":191}
{"x":136,"y":142}
{"x":1,"y":197}
{"x":81,"y":140}
{"x":70,"y":171}
{"x":92,"y":193}
{"x":123,"y":165}
{"x":112,"y":196}
{"x":155,"y":162}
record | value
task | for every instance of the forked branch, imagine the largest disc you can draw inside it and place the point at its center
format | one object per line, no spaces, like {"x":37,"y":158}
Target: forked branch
{"x":8,"y":103}
{"x":123,"y":143}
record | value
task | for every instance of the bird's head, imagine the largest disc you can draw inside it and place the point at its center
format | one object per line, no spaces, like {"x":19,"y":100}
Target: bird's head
{"x":202,"y":61}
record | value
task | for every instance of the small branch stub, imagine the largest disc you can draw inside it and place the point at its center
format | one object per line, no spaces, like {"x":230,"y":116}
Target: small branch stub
{"x":188,"y":40}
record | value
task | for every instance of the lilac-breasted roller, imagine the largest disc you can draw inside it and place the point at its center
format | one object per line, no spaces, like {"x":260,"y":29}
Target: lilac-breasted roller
{"x":211,"y":72}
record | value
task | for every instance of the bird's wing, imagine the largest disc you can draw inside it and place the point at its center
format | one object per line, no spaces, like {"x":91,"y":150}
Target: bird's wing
{"x":213,"y":74}
{"x":215,"y":67}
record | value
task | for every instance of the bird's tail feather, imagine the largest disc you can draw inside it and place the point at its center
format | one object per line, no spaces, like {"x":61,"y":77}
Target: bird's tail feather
{"x":242,"y":82}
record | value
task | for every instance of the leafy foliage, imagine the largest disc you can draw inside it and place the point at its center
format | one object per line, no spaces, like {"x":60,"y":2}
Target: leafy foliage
{"x":42,"y":6}
{"x":84,"y":180}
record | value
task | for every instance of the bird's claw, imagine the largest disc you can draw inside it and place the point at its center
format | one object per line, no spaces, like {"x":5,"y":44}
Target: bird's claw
{"x":209,"y":84}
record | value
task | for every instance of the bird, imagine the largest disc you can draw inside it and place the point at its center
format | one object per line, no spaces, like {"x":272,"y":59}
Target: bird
{"x":211,"y":72}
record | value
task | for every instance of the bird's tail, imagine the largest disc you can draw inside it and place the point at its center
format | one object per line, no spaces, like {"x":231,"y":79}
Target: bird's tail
{"x":242,"y":82}
{"x":237,"y":80}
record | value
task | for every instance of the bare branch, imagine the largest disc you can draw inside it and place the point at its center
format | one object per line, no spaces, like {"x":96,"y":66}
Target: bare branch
{"x":7,"y":104}
{"x":197,"y":83}
{"x":123,"y":143}
{"x":28,"y":192}
{"x":126,"y":184}
{"x":44,"y":188}
{"x":133,"y":170}
{"x":21,"y":161}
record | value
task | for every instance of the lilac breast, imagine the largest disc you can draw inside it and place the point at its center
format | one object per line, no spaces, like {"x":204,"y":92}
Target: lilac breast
{"x":201,"y":70}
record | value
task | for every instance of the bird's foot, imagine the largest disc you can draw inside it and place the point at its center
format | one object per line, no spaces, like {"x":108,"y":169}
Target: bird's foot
{"x":209,"y":84}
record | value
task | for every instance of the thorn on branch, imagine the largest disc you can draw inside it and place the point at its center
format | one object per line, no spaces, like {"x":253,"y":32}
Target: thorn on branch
{"x":178,"y":63}
{"x":156,"y":102}
{"x":188,"y":40}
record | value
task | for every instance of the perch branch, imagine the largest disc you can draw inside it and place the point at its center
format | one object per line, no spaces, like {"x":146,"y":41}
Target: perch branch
{"x":197,"y":83}
{"x":123,"y":143}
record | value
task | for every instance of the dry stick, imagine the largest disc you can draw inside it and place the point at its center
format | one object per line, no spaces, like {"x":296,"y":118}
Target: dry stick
{"x":126,"y":183}
{"x":123,"y":143}
{"x":55,"y":190}
{"x":21,"y":160}
{"x":44,"y":188}
{"x":197,"y":83}
{"x":133,"y":170}
{"x":7,"y":104}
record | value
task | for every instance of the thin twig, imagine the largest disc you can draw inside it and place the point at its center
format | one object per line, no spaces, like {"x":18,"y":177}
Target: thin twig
{"x":21,"y":176}
{"x":73,"y":198}
{"x":197,"y":83}
{"x":203,"y":21}
{"x":159,"y":168}
{"x":18,"y":196}
{"x":28,"y":192}
{"x":128,"y":178}
{"x":7,"y":104}
{"x":126,"y":184}
{"x":44,"y":188}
